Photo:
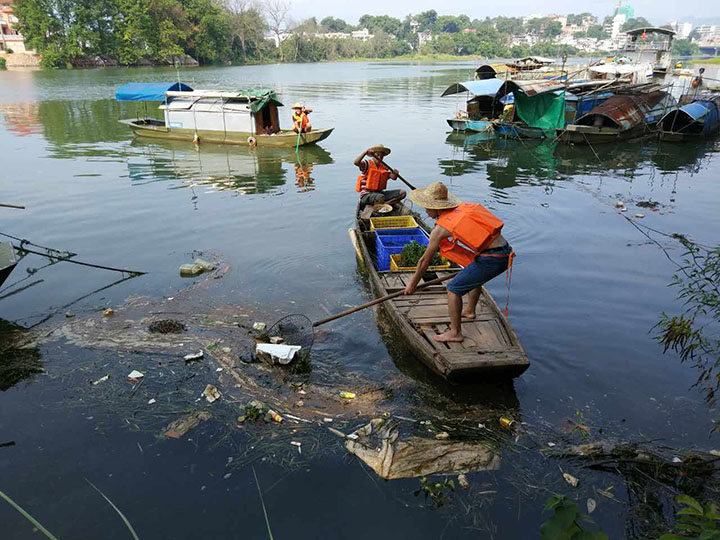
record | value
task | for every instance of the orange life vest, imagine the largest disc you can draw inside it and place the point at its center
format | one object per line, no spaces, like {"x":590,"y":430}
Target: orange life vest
{"x":375,"y":178}
{"x":472,"y":227}
{"x":300,"y":121}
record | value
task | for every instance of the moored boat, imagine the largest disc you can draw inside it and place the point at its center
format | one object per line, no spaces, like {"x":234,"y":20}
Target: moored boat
{"x":697,"y":119}
{"x":490,"y":347}
{"x":621,"y":117}
{"x":482,"y":105}
{"x":248,"y":117}
{"x":8,"y":261}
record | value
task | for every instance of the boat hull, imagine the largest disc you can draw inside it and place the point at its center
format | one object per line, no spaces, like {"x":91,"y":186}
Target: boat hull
{"x":8,"y":262}
{"x":476,"y":126}
{"x":575,"y":134}
{"x":158,"y":130}
{"x":491,"y":347}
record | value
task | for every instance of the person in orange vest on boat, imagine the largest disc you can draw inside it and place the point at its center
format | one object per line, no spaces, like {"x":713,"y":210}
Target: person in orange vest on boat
{"x":373,"y":178}
{"x":467,"y":234}
{"x":301,"y":122}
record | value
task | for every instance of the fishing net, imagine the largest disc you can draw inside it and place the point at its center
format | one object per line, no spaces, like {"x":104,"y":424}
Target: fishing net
{"x":295,"y":329}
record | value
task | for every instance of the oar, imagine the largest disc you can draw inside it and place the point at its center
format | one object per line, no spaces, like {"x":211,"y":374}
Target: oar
{"x":381,"y":300}
{"x":18,"y":206}
{"x":408,"y":184}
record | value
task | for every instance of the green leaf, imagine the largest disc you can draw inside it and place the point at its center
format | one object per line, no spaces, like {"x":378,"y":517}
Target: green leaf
{"x":687,"y":500}
{"x":689,"y":511}
{"x":671,"y":536}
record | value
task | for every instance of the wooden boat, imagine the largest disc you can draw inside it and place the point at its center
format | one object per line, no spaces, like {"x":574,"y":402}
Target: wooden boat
{"x":8,"y":262}
{"x":622,"y":117}
{"x":490,"y":348}
{"x":481,"y":107}
{"x":699,"y":117}
{"x":248,"y":117}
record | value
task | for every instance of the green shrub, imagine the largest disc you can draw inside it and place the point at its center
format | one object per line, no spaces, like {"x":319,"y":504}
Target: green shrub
{"x":2,"y":63}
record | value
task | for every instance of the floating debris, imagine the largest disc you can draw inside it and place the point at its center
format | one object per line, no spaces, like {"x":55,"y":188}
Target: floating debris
{"x":109,"y":312}
{"x":134,"y":375}
{"x":259,"y":326}
{"x":192,"y":357}
{"x":277,"y":354}
{"x":103,"y":379}
{"x":190,"y":270}
{"x":442,"y":436}
{"x":347,"y":395}
{"x":507,"y":422}
{"x":276,"y":340}
{"x":639,"y":216}
{"x":570,"y":479}
{"x":275,"y":417}
{"x":619,"y":204}
{"x":463,"y":481}
{"x":166,"y":326}
{"x":152,"y":401}
{"x":181,"y":426}
{"x":211,"y":393}
{"x":591,"y":505}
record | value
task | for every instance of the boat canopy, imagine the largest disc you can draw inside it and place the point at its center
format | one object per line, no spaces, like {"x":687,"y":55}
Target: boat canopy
{"x":701,"y":116}
{"x":148,"y":91}
{"x":256,"y":99}
{"x":650,"y":30}
{"x":486,"y":87}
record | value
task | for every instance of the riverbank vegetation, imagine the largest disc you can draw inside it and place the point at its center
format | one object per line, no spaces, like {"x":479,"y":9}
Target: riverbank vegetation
{"x":147,"y":32}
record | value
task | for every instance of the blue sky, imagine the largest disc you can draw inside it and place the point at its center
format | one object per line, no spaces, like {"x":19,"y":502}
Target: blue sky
{"x":658,"y":12}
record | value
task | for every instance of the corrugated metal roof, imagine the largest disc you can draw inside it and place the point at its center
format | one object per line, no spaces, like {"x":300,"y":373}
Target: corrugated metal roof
{"x":629,"y":110}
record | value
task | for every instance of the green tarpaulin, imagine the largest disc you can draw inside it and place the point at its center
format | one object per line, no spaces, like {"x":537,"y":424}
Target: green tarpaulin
{"x":543,"y":111}
{"x":259,"y":98}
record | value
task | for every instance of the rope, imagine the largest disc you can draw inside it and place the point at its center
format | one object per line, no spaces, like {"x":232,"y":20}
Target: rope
{"x":66,"y":259}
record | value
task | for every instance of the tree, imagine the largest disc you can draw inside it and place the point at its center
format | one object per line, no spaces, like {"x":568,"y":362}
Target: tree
{"x":277,"y":20}
{"x":597,"y":31}
{"x":247,"y":30}
{"x":448,"y":24}
{"x":637,"y":22}
{"x":684,"y":47}
{"x":552,"y":29}
{"x":512,"y":26}
{"x":331,"y":24}
{"x":579,"y":19}
{"x":381,"y":23}
{"x":426,"y":20}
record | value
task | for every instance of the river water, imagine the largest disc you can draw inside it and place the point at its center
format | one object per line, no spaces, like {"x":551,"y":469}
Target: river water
{"x":587,"y":290}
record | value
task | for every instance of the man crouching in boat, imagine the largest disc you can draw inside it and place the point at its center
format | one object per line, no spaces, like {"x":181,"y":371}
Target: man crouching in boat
{"x":469,"y":235}
{"x":372,"y":181}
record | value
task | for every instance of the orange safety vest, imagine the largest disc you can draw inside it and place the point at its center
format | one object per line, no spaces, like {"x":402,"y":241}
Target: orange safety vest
{"x":375,"y":178}
{"x":472,"y":227}
{"x":300,"y":121}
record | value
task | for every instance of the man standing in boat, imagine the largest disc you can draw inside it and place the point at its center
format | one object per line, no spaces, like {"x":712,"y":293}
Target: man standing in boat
{"x":374,"y":174}
{"x":469,"y":235}
{"x":301,"y":122}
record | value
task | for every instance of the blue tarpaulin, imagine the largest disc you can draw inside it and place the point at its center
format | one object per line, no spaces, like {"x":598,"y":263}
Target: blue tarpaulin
{"x":487,"y":87}
{"x":148,"y":91}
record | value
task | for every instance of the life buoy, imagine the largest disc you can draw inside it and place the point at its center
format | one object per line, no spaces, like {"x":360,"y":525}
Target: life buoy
{"x":252,"y":141}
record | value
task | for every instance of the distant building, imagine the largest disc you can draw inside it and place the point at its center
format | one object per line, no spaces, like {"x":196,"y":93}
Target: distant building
{"x":708,"y":35}
{"x":614,"y":26}
{"x":10,"y":38}
{"x":424,"y":38}
{"x":362,"y":35}
{"x":625,"y":9}
{"x":682,"y":30}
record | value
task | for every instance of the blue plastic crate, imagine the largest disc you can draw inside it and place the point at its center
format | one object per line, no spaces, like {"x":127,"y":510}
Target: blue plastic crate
{"x":391,"y":241}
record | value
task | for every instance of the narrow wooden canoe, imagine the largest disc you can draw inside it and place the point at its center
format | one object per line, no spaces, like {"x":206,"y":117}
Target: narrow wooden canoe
{"x":150,"y":127}
{"x":491,"y":346}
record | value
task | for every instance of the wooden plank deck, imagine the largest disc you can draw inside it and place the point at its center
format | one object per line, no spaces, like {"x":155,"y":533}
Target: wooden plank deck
{"x":490,"y":345}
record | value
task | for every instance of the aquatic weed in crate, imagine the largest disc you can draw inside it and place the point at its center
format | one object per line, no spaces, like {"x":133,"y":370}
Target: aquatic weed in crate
{"x":392,"y":241}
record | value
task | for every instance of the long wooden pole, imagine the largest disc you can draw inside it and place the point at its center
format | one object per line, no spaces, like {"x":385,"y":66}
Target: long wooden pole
{"x":380,"y":300}
{"x":408,"y":184}
{"x":7,"y":205}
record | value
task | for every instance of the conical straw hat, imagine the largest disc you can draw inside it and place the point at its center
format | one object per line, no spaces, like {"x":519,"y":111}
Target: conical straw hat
{"x":434,"y":197}
{"x":379,"y":149}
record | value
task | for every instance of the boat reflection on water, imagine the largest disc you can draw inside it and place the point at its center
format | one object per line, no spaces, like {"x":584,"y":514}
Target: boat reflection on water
{"x":510,"y":162}
{"x":222,"y":168}
{"x":18,"y":361}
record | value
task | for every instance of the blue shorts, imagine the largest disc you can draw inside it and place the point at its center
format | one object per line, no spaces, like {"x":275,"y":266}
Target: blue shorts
{"x":481,"y":270}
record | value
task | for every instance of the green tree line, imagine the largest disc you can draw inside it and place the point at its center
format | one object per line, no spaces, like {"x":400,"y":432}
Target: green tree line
{"x":141,"y":32}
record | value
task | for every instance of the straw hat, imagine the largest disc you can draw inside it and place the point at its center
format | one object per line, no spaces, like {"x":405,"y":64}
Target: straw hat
{"x":379,"y":149}
{"x":434,"y":197}
{"x":297,"y":105}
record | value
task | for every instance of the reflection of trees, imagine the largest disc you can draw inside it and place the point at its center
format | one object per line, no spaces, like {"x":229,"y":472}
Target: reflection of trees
{"x":689,"y":156}
{"x":16,"y":362}
{"x":73,"y":122}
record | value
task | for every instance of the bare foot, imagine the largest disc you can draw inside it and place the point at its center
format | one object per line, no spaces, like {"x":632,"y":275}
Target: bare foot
{"x":449,"y":337}
{"x":468,"y":315}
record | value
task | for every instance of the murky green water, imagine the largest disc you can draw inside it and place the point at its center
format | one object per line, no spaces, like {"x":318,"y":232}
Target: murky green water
{"x":587,"y":290}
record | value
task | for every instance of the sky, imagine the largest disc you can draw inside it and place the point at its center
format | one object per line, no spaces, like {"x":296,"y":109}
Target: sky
{"x":657,"y":12}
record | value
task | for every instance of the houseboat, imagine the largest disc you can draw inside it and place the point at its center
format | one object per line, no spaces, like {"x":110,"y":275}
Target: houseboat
{"x":482,"y":104}
{"x":698,"y":117}
{"x":246,"y":117}
{"x":624,"y":116}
